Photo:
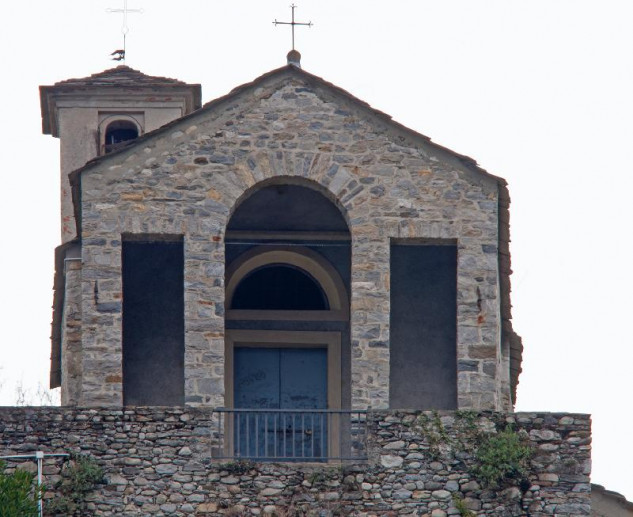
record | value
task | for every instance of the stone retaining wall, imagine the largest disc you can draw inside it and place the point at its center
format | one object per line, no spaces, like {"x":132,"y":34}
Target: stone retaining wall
{"x":157,"y":462}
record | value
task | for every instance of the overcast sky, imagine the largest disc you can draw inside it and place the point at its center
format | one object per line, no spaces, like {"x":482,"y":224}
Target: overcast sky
{"x":539,"y":92}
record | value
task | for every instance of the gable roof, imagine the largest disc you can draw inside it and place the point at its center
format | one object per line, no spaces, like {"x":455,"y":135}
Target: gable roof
{"x":509,"y":337}
{"x":293,"y":71}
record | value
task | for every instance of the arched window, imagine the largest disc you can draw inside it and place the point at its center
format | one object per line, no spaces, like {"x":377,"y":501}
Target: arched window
{"x":279,"y":287}
{"x":285,"y":283}
{"x":118,"y":132}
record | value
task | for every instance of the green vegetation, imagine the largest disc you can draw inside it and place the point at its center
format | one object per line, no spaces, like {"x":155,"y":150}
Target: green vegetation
{"x":463,"y":510}
{"x":501,"y":458}
{"x":238,"y":467}
{"x":79,"y":477}
{"x":433,"y":430}
{"x":18,"y":493}
{"x":318,"y":477}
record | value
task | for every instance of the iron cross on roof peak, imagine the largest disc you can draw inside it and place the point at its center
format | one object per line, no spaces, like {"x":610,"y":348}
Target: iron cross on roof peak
{"x":120,"y":54}
{"x":292,"y":24}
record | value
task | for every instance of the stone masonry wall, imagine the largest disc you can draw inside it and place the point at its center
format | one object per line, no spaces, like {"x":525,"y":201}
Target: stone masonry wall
{"x":188,"y":178}
{"x":157,"y":462}
{"x":71,"y":336}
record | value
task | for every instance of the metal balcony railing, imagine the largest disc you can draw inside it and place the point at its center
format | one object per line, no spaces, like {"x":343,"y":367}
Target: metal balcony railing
{"x":292,"y":435}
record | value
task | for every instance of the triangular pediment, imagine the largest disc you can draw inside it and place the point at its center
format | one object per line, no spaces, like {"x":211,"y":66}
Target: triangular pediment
{"x":240,"y":96}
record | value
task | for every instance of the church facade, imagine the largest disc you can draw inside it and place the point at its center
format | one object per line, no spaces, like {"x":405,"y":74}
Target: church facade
{"x":283,"y":302}
{"x":286,"y":227}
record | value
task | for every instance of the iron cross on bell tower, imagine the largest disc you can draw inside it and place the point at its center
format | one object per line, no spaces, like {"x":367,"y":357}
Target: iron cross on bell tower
{"x":120,"y":54}
{"x":292,"y":24}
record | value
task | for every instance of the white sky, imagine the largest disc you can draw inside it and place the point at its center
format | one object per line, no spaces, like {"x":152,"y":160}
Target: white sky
{"x":540,"y":92}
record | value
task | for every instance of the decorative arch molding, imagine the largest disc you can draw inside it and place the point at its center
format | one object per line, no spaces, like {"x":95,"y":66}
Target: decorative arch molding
{"x":302,"y":258}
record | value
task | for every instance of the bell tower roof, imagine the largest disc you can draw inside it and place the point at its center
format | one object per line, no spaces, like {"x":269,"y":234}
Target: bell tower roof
{"x":121,"y":81}
{"x":121,"y":75}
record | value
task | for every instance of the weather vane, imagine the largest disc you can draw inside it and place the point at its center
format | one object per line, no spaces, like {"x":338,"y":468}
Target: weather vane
{"x":292,"y":24}
{"x":119,"y":55}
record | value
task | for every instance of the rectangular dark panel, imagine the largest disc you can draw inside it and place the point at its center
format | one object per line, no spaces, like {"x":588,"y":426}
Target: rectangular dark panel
{"x":280,"y":378}
{"x":153,"y":323}
{"x":256,"y":378}
{"x":303,"y":378}
{"x":423,"y":334}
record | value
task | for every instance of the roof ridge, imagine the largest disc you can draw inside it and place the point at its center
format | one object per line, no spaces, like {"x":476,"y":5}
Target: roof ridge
{"x":118,"y":75}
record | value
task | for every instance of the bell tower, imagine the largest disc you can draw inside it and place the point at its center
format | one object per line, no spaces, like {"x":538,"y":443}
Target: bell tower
{"x":99,"y":114}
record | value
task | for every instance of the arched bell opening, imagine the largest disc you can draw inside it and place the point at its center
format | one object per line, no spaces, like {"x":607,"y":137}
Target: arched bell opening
{"x":287,"y":320}
{"x":116,"y":130}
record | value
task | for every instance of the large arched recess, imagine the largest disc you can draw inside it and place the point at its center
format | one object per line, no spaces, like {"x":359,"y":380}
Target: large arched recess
{"x":287,"y":238}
